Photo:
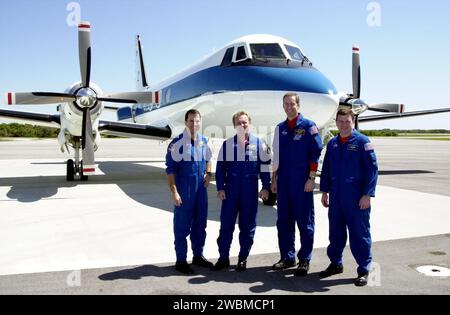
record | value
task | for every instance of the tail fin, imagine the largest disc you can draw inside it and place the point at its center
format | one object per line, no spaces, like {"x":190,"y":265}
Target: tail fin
{"x":140,"y":67}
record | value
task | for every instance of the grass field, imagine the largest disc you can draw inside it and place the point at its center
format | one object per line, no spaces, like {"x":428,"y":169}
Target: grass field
{"x":423,"y":136}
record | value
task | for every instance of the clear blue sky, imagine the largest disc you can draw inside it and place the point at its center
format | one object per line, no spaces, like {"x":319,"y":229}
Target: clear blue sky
{"x":405,"y":59}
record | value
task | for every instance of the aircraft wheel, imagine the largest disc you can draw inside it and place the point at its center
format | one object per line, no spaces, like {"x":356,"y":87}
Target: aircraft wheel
{"x":272,"y":201}
{"x":70,"y":174}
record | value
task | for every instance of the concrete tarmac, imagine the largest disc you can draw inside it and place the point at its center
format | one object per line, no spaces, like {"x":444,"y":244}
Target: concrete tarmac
{"x":113,"y":234}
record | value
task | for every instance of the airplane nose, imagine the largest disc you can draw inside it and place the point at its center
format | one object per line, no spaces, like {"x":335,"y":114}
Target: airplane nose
{"x":305,"y":80}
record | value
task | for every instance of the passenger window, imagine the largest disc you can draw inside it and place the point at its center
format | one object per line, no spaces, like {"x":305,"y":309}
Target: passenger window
{"x":228,"y":58}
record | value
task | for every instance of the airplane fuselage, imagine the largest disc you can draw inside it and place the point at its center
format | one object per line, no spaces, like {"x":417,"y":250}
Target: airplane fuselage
{"x":218,"y":89}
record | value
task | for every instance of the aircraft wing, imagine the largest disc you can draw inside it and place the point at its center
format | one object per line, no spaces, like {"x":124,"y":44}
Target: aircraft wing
{"x":105,"y":126}
{"x":132,"y":130}
{"x":40,"y":119}
{"x":402,"y":115}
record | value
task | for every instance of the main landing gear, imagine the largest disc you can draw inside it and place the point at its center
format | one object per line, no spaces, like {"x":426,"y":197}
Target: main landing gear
{"x":75,"y":168}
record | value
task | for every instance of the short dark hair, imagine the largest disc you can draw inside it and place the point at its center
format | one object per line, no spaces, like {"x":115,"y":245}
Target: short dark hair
{"x":191,"y":112}
{"x":239,"y":114}
{"x":345,"y":112}
{"x":297,"y":97}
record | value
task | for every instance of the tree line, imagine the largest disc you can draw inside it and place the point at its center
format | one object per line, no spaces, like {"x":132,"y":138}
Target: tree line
{"x":15,"y":130}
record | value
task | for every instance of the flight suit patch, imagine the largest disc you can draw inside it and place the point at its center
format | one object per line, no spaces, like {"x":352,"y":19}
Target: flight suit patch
{"x":299,"y":133}
{"x":352,"y":147}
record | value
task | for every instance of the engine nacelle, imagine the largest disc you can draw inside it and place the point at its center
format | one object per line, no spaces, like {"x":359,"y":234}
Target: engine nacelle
{"x":72,"y":112}
{"x":357,"y":105}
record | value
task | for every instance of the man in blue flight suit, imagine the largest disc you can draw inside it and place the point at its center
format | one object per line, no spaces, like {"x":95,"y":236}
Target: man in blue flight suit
{"x":349,"y":175}
{"x":242,"y":159}
{"x":189,"y":174}
{"x":297,"y":147}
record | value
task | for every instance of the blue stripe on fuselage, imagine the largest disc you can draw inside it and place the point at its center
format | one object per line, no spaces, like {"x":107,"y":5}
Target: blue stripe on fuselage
{"x":244,"y":78}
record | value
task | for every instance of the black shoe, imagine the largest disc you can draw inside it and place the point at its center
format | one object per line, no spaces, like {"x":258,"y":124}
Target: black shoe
{"x":184,"y":267}
{"x":361,"y":281}
{"x":241,"y":266}
{"x":283,"y":264}
{"x":221,"y":264}
{"x":201,"y":262}
{"x":332,"y":269}
{"x":302,"y":268}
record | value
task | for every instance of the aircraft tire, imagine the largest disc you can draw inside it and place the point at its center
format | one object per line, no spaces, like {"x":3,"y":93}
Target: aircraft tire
{"x":70,"y":174}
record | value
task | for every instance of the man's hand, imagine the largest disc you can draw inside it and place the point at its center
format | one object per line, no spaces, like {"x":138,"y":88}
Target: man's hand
{"x":221,"y":195}
{"x":176,"y":199}
{"x":273,"y":187}
{"x":325,"y":202}
{"x":310,"y":185}
{"x":364,"y":203}
{"x":264,"y":194}
{"x":207,"y":180}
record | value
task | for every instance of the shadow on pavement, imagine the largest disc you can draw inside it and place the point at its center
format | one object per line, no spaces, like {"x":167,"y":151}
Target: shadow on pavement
{"x":259,"y":280}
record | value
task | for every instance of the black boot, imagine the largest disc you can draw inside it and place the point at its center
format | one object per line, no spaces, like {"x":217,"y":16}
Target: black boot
{"x":184,"y":267}
{"x":302,"y":268}
{"x":331,"y":270}
{"x":201,"y":262}
{"x":221,"y":264}
{"x":361,"y":281}
{"x":241,"y":266}
{"x":283,"y":264}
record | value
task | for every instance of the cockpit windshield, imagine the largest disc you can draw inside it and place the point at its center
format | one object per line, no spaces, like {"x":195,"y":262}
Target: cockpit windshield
{"x":267,"y":51}
{"x":294,"y":52}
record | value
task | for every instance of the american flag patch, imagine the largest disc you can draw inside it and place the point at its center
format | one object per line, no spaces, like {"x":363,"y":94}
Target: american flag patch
{"x":368,"y":146}
{"x":313,"y":130}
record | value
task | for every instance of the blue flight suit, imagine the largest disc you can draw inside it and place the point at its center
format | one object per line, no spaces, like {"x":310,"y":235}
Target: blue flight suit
{"x":187,"y":160}
{"x":238,"y":168}
{"x":294,"y":151}
{"x":349,"y":172}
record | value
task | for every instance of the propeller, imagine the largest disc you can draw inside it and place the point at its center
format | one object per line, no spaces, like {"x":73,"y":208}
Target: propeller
{"x":354,"y":101}
{"x":84,"y":96}
{"x":81,"y":95}
{"x":38,"y":98}
{"x":84,"y":47}
{"x":87,"y":144}
{"x":356,"y":73}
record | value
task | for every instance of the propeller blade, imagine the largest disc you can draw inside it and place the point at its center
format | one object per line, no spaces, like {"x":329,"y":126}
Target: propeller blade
{"x":38,"y":98}
{"x":87,"y":144}
{"x":130,"y":97}
{"x":387,"y":108}
{"x":356,"y":73}
{"x":84,"y":46}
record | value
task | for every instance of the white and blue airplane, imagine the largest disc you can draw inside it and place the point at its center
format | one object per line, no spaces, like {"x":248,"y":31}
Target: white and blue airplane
{"x":251,"y":73}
